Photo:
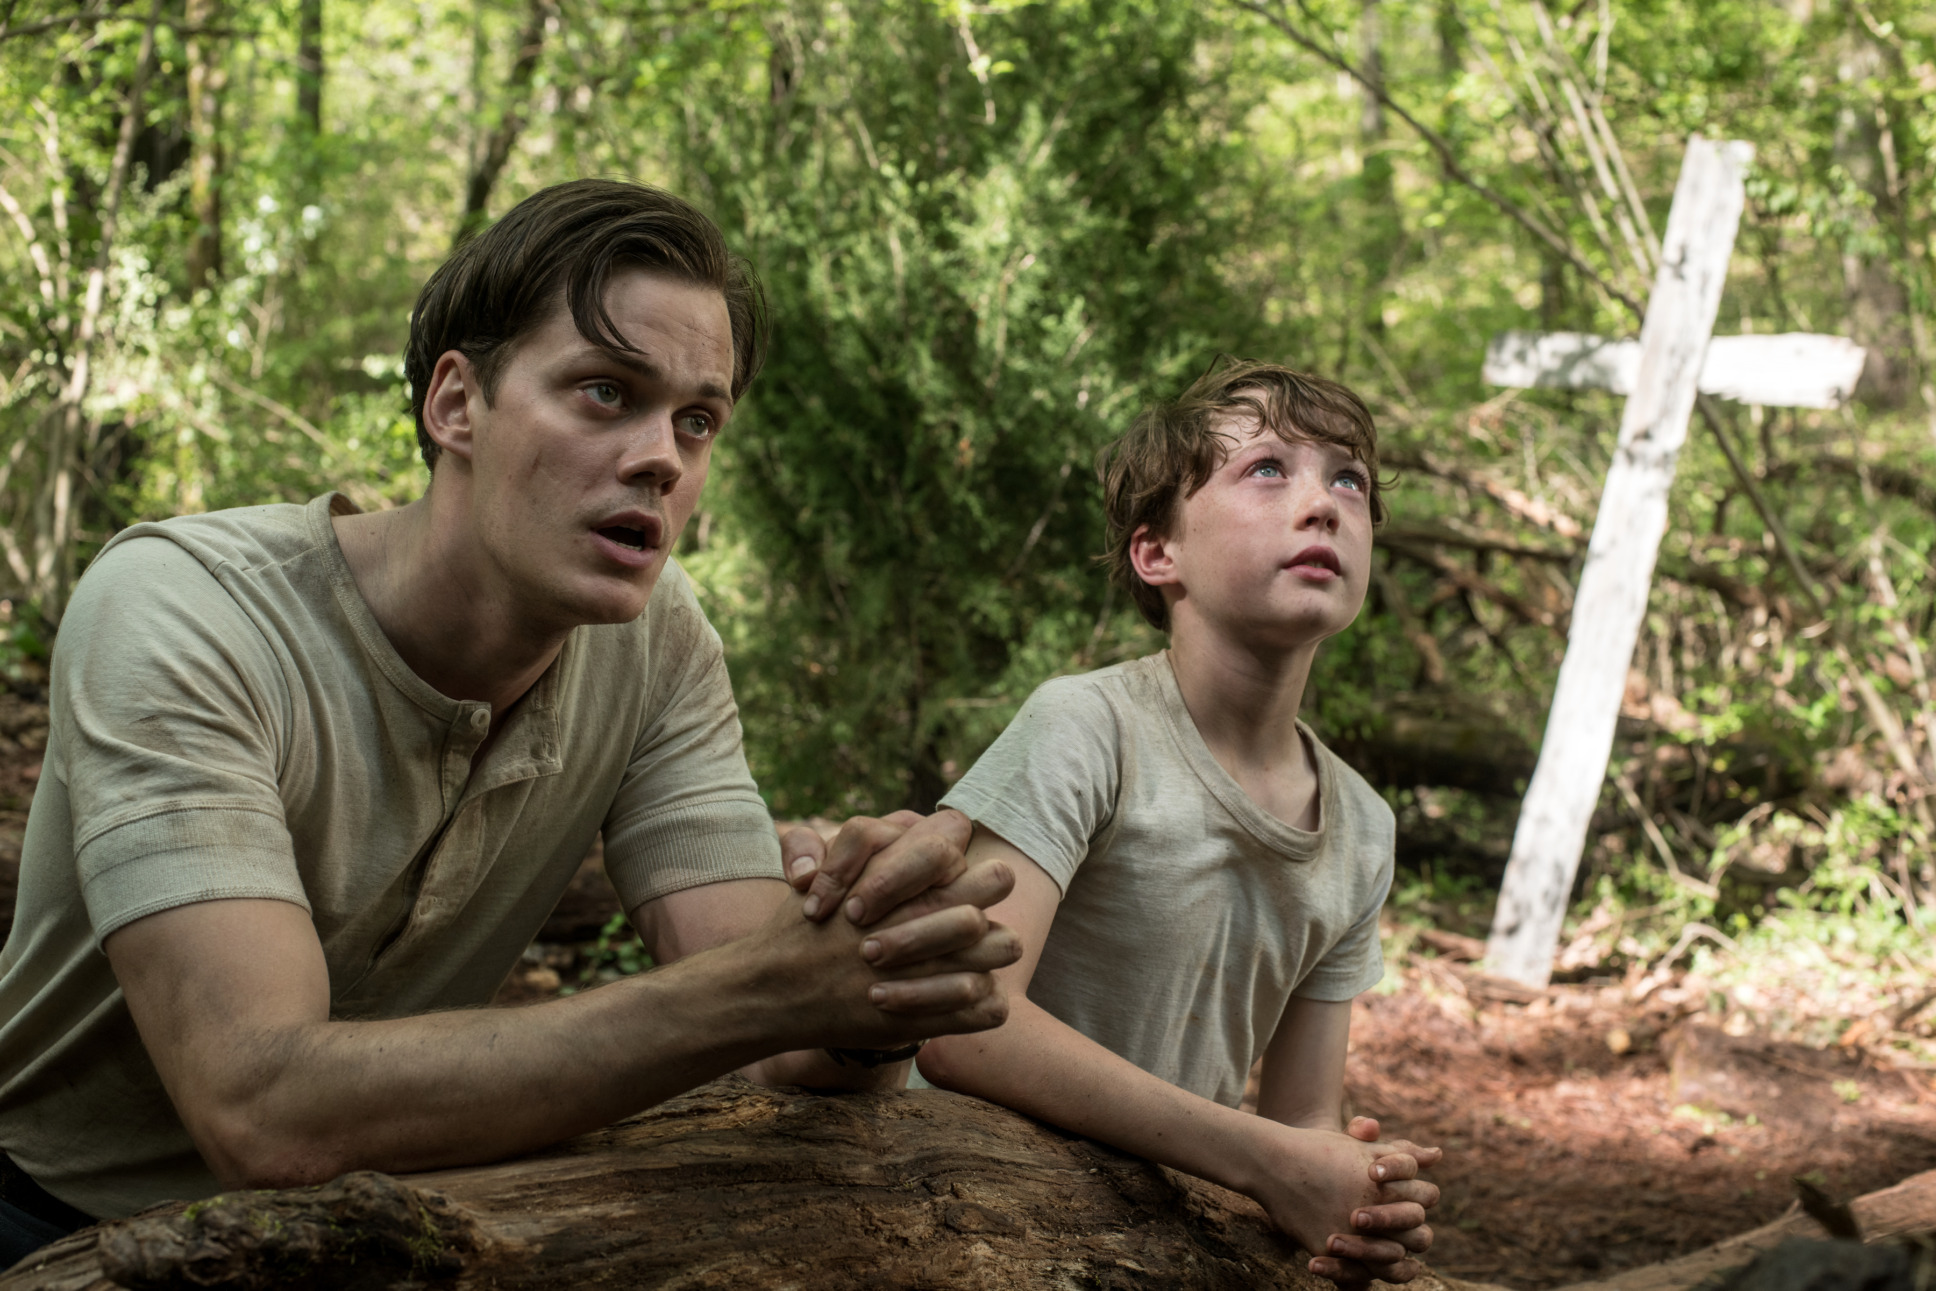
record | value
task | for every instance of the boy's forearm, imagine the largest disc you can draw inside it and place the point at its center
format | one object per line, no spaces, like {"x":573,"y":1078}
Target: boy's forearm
{"x":1041,"y":1066}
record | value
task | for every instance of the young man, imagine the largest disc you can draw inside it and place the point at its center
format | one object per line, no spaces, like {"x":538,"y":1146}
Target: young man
{"x":1198,"y":879}
{"x":316,"y":777}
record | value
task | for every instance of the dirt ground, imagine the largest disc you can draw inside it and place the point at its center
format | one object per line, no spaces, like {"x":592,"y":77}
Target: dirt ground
{"x":1588,"y":1129}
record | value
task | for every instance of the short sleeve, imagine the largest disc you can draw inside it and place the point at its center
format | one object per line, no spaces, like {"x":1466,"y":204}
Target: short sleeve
{"x":1356,"y":963}
{"x":167,"y":705}
{"x":687,"y":811}
{"x":1048,"y":783}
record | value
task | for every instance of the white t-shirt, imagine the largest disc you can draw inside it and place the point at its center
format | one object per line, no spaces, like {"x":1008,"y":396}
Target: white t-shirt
{"x":1189,"y":915}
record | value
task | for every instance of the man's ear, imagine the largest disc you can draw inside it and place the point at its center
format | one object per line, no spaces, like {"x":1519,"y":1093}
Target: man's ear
{"x":454,"y":394}
{"x":1150,"y":556}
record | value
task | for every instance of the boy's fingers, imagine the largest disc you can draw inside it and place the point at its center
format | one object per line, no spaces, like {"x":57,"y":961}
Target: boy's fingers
{"x":941,"y":933}
{"x":1421,"y":1191}
{"x":1364,"y":1248}
{"x":1393,"y":1165}
{"x":1353,"y":1273}
{"x":802,"y":851}
{"x":928,"y":855}
{"x":844,"y":860}
{"x":1346,"y":1273}
{"x":1389,"y":1219}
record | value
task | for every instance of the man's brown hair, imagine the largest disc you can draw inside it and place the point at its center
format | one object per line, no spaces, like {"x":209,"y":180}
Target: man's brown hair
{"x":1172,"y":449}
{"x":503,"y":284}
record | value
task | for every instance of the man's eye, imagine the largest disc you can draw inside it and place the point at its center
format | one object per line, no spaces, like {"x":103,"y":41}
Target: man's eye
{"x":604,"y":392}
{"x":696,"y":424}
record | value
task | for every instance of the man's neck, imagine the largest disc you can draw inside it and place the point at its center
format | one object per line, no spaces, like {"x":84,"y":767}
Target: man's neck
{"x":450,"y":625}
{"x":1244,"y":702}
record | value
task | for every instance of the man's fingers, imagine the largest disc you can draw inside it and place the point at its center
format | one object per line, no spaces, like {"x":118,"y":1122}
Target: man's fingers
{"x":844,"y":860}
{"x":928,"y":855}
{"x":1388,"y":1219}
{"x":998,"y":947}
{"x":945,"y":1004}
{"x":941,"y":933}
{"x":1363,"y":1128}
{"x":1421,"y":1191}
{"x":983,"y":885}
{"x":802,"y":852}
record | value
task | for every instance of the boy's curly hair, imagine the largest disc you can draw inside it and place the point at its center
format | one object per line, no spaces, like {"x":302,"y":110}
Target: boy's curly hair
{"x":1172,"y":449}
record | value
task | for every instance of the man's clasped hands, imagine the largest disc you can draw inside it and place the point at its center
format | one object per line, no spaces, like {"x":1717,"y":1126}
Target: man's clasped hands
{"x":914,"y":952}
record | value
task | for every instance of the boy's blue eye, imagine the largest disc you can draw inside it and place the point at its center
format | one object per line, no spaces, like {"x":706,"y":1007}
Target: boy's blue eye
{"x":1354,"y":479}
{"x":1270,"y":468}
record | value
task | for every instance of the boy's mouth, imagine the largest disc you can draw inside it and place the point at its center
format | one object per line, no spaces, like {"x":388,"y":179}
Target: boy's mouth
{"x":1317,"y":561}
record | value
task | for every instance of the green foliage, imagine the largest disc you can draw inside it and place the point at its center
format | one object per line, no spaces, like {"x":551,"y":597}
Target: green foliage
{"x":990,"y":233}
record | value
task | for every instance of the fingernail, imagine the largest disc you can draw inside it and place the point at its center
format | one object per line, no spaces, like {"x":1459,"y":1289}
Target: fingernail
{"x":1337,"y":1246}
{"x":812,"y":905}
{"x":1362,"y":1219}
{"x":877,"y":994}
{"x":802,"y":866}
{"x":1378,"y":1172}
{"x":870,"y":949}
{"x":855,"y":909}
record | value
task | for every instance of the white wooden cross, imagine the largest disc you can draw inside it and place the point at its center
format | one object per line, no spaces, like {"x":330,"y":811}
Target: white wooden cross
{"x":1659,"y":374}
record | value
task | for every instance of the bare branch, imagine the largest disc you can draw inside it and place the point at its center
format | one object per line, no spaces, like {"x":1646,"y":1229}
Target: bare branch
{"x":1447,"y":157}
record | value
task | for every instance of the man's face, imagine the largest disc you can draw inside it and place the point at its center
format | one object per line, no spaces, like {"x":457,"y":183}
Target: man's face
{"x":1275,"y":549}
{"x":587,"y":464}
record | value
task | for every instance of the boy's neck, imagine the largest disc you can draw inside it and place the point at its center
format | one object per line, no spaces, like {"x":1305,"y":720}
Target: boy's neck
{"x":1244,"y":703}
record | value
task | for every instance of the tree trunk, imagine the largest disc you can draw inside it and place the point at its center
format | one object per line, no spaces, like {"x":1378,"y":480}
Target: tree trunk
{"x":731,"y":1186}
{"x":309,"y":68}
{"x":497,"y":149}
{"x":206,"y":81}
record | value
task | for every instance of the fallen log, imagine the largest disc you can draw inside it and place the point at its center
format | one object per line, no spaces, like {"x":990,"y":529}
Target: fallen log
{"x":730,"y":1186}
{"x":1909,"y":1207}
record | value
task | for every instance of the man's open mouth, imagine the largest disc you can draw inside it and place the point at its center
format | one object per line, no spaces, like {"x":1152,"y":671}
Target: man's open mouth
{"x":624,"y":536}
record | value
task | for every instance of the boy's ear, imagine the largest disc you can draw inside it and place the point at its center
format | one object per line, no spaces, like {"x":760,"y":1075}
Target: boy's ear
{"x":1151,"y":558}
{"x":447,"y":408}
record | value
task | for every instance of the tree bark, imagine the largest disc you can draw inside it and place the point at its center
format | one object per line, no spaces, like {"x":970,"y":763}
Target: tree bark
{"x":309,"y":67}
{"x":731,"y":1185}
{"x":497,"y":149}
{"x":206,"y":81}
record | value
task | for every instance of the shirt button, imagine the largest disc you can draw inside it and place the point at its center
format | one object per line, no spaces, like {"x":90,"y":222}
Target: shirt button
{"x":480,"y":721}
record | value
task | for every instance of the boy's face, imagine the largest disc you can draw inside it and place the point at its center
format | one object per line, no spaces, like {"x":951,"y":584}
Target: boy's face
{"x":1274,"y":550}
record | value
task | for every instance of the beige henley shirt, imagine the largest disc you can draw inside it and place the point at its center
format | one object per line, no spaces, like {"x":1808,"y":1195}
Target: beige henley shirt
{"x":228,"y":720}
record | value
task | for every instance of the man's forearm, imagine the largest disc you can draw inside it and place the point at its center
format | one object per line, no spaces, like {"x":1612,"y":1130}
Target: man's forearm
{"x":456,"y":1088}
{"x":815,"y":1069}
{"x":1040,"y":1065}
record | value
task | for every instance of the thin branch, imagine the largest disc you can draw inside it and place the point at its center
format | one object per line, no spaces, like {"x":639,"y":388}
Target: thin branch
{"x":282,"y":410}
{"x":1447,"y":158}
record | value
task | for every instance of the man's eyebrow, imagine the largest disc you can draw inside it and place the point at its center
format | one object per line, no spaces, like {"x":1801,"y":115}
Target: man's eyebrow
{"x":651,"y":371}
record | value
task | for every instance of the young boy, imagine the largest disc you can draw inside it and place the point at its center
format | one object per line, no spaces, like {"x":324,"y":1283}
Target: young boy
{"x":1198,"y":879}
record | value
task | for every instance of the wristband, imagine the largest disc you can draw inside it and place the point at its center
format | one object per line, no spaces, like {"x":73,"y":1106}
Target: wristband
{"x":874,"y":1057}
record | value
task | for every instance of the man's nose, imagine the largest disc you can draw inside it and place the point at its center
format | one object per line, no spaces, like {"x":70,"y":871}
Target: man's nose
{"x":651,"y":455}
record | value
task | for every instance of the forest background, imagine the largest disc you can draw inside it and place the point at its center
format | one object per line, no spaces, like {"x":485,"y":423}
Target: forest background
{"x":990,"y":233}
